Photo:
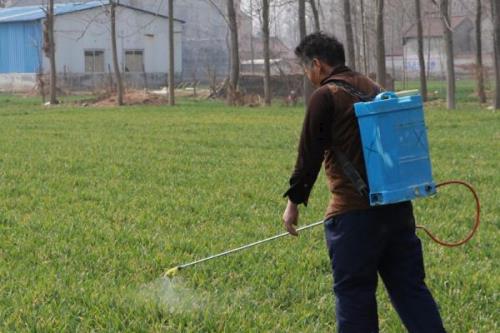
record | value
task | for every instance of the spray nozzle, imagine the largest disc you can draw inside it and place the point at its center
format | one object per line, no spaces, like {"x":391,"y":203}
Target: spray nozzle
{"x":172,"y":272}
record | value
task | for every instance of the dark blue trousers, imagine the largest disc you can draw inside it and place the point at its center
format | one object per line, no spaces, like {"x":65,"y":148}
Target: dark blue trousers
{"x":380,"y":240}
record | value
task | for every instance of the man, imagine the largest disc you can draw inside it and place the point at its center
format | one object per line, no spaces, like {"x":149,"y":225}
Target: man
{"x":362,"y":241}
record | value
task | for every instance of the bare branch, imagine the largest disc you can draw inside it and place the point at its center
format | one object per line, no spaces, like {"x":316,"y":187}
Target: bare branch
{"x":87,"y":26}
{"x":220,"y":11}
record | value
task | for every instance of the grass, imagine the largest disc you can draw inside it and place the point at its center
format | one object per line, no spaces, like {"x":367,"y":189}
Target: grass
{"x":96,"y":203}
{"x":465,"y":90}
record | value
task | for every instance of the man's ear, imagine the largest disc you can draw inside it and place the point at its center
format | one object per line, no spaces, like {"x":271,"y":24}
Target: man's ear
{"x":316,"y":63}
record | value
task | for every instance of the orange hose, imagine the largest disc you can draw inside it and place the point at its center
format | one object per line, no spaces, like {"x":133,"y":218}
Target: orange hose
{"x":476,"y":223}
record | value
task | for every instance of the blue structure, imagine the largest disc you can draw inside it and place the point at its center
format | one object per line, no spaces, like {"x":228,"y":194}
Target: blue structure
{"x":395,"y":148}
{"x":21,"y":35}
{"x":20,"y":48}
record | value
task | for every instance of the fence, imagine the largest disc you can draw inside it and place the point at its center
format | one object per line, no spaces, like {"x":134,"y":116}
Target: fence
{"x":81,"y":82}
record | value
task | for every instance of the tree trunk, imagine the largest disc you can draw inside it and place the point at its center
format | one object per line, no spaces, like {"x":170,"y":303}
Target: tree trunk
{"x":428,"y":52}
{"x":307,"y":86}
{"x":349,"y":35}
{"x":52,"y":54}
{"x":171,"y":60}
{"x":495,"y":8}
{"x":421,"y":58}
{"x":357,"y":37}
{"x":234,"y":75}
{"x":252,"y":49}
{"x":450,"y":62}
{"x":302,"y":19}
{"x":116,"y":66}
{"x":314,"y":8}
{"x":363,"y":33}
{"x":265,"y":39}
{"x":479,"y":55}
{"x":381,"y":71}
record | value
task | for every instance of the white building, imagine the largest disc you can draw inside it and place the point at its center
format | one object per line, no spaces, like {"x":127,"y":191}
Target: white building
{"x":83,"y":44}
{"x":205,"y":34}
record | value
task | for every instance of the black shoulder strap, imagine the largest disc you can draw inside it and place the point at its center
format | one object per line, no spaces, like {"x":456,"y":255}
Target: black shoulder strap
{"x":351,"y":90}
{"x":351,"y":173}
{"x":347,"y":167}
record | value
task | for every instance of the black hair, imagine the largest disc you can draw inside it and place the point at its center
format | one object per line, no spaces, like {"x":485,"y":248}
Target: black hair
{"x":320,"y":45}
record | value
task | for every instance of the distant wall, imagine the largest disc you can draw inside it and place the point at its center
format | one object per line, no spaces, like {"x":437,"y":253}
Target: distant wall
{"x":408,"y":67}
{"x":17,"y":82}
{"x":280,"y":85}
{"x":103,"y":81}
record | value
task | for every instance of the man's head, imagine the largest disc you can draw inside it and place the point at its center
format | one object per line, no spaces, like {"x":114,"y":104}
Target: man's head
{"x":319,"y":54}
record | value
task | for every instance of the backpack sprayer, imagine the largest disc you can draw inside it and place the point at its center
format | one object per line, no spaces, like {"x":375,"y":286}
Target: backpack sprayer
{"x":395,"y":147}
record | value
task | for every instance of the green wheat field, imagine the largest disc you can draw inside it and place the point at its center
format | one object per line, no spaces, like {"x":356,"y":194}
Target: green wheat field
{"x":96,"y":203}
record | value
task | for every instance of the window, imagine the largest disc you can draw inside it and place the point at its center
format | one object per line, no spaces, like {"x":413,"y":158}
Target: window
{"x":134,"y":61}
{"x":94,"y":61}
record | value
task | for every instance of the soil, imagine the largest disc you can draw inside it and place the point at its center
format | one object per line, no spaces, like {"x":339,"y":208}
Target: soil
{"x":130,"y":98}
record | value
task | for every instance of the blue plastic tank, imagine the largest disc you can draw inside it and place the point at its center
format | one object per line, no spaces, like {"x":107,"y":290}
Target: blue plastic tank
{"x":395,"y":148}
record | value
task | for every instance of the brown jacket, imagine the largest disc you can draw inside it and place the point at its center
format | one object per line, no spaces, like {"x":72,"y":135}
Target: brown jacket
{"x":330,"y":123}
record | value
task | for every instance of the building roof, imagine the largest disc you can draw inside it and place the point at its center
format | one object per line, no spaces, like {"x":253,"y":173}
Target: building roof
{"x":433,"y":26}
{"x":34,"y":13}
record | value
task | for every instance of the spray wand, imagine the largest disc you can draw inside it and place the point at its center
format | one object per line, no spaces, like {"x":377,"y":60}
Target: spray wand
{"x":173,"y":271}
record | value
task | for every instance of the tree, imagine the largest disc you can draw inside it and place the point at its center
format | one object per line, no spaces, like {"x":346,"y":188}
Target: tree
{"x":421,"y":58}
{"x":171,"y":43}
{"x":479,"y":55}
{"x":349,"y":34}
{"x":381,"y":70}
{"x":358,"y":48}
{"x":363,"y":34}
{"x":266,"y":52}
{"x":50,"y":51}
{"x":234,"y":75}
{"x":314,"y":8}
{"x":444,"y":10}
{"x":302,"y":19}
{"x":118,"y":77}
{"x":307,"y":86}
{"x":495,"y":9}
{"x":252,"y":49}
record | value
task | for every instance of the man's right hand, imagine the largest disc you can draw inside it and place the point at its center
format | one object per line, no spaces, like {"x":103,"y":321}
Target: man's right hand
{"x":291,"y":218}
